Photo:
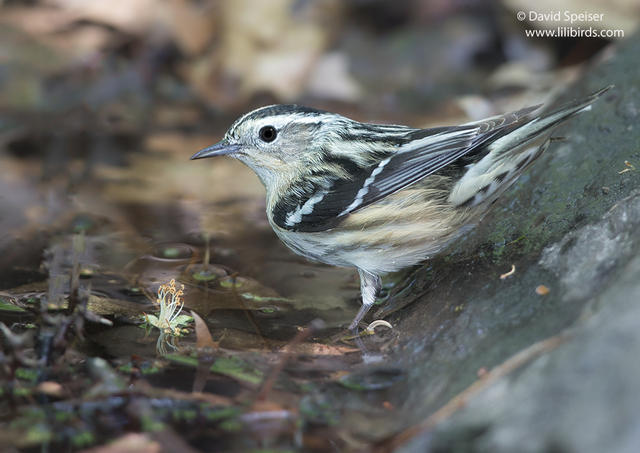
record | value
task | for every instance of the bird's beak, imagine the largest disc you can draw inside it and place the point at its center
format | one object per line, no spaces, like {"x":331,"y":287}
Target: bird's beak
{"x":219,"y":149}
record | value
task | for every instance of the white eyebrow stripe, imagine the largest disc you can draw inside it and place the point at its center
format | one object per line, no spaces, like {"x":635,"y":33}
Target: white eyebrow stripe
{"x":281,"y":121}
{"x":295,"y":217}
{"x":365,"y":188}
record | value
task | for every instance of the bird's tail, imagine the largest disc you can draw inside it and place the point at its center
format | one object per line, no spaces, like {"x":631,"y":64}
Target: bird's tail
{"x":543,"y":124}
{"x":509,"y":155}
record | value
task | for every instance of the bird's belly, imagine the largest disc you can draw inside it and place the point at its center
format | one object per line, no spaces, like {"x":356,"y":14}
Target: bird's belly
{"x":365,"y":242}
{"x":313,"y":246}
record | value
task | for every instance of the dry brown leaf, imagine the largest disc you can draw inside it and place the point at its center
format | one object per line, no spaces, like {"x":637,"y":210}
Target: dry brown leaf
{"x":51,"y":388}
{"x":323,"y":349}
{"x":37,"y":21}
{"x":542,"y":290}
{"x":264,"y":47}
{"x":133,"y":16}
{"x":193,"y":24}
{"x":203,"y":336}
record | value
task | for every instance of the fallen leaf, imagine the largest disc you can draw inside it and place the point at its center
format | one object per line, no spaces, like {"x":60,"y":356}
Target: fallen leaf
{"x":203,"y":335}
{"x":542,"y":290}
{"x":323,"y":349}
{"x":51,"y":388}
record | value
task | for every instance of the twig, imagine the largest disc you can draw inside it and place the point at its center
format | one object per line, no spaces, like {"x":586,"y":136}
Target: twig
{"x":286,"y":356}
{"x":461,"y":399}
{"x":510,"y":273}
{"x":247,"y":312}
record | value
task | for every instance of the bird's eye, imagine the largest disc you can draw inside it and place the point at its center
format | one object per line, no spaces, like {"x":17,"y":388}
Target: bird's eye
{"x":268,"y":134}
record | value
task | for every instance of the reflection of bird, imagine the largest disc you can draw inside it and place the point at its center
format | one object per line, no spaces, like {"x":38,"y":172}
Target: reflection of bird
{"x":380,"y":197}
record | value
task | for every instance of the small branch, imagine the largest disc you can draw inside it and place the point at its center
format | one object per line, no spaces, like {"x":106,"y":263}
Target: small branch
{"x":289,"y":351}
{"x":461,"y":400}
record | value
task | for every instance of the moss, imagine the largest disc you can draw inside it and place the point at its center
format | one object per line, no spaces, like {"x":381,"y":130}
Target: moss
{"x":227,"y":366}
{"x":216,"y":414}
{"x":27,"y":374}
{"x":38,"y":434}
{"x":5,"y":305}
{"x":237,"y":369}
{"x":82,"y":439}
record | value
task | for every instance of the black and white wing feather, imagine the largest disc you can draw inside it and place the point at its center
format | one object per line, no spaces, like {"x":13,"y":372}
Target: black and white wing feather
{"x":322,"y":199}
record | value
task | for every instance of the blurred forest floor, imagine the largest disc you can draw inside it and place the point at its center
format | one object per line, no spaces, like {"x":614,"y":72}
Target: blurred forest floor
{"x":102,"y":104}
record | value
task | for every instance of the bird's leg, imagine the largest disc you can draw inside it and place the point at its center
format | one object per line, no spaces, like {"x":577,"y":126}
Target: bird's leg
{"x":370,"y":285}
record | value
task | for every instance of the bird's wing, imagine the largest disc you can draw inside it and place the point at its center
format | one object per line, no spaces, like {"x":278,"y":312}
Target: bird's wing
{"x":319,"y":202}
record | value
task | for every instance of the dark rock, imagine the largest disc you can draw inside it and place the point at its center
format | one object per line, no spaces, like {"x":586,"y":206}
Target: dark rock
{"x":561,"y":229}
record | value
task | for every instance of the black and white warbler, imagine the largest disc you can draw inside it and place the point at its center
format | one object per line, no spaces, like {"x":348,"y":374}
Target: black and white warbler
{"x":382,"y":197}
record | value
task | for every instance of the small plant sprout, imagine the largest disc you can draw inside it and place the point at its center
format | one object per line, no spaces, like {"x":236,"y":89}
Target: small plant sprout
{"x":169,"y":320}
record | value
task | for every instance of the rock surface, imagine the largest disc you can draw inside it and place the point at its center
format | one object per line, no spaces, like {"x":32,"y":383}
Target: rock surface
{"x":571,"y":224}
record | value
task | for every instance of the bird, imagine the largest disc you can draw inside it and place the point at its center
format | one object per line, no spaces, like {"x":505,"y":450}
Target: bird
{"x":382,"y":197}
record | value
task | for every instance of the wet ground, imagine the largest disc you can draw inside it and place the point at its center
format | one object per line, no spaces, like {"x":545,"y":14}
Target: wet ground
{"x":112,"y":226}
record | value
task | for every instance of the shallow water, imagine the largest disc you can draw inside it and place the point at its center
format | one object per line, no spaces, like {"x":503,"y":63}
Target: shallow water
{"x":126,"y":229}
{"x":161,"y":217}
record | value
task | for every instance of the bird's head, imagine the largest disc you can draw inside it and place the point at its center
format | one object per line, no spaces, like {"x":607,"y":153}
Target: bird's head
{"x":276,"y":141}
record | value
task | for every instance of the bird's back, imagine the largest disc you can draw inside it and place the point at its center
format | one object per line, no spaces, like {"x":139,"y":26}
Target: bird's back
{"x":407,"y":225}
